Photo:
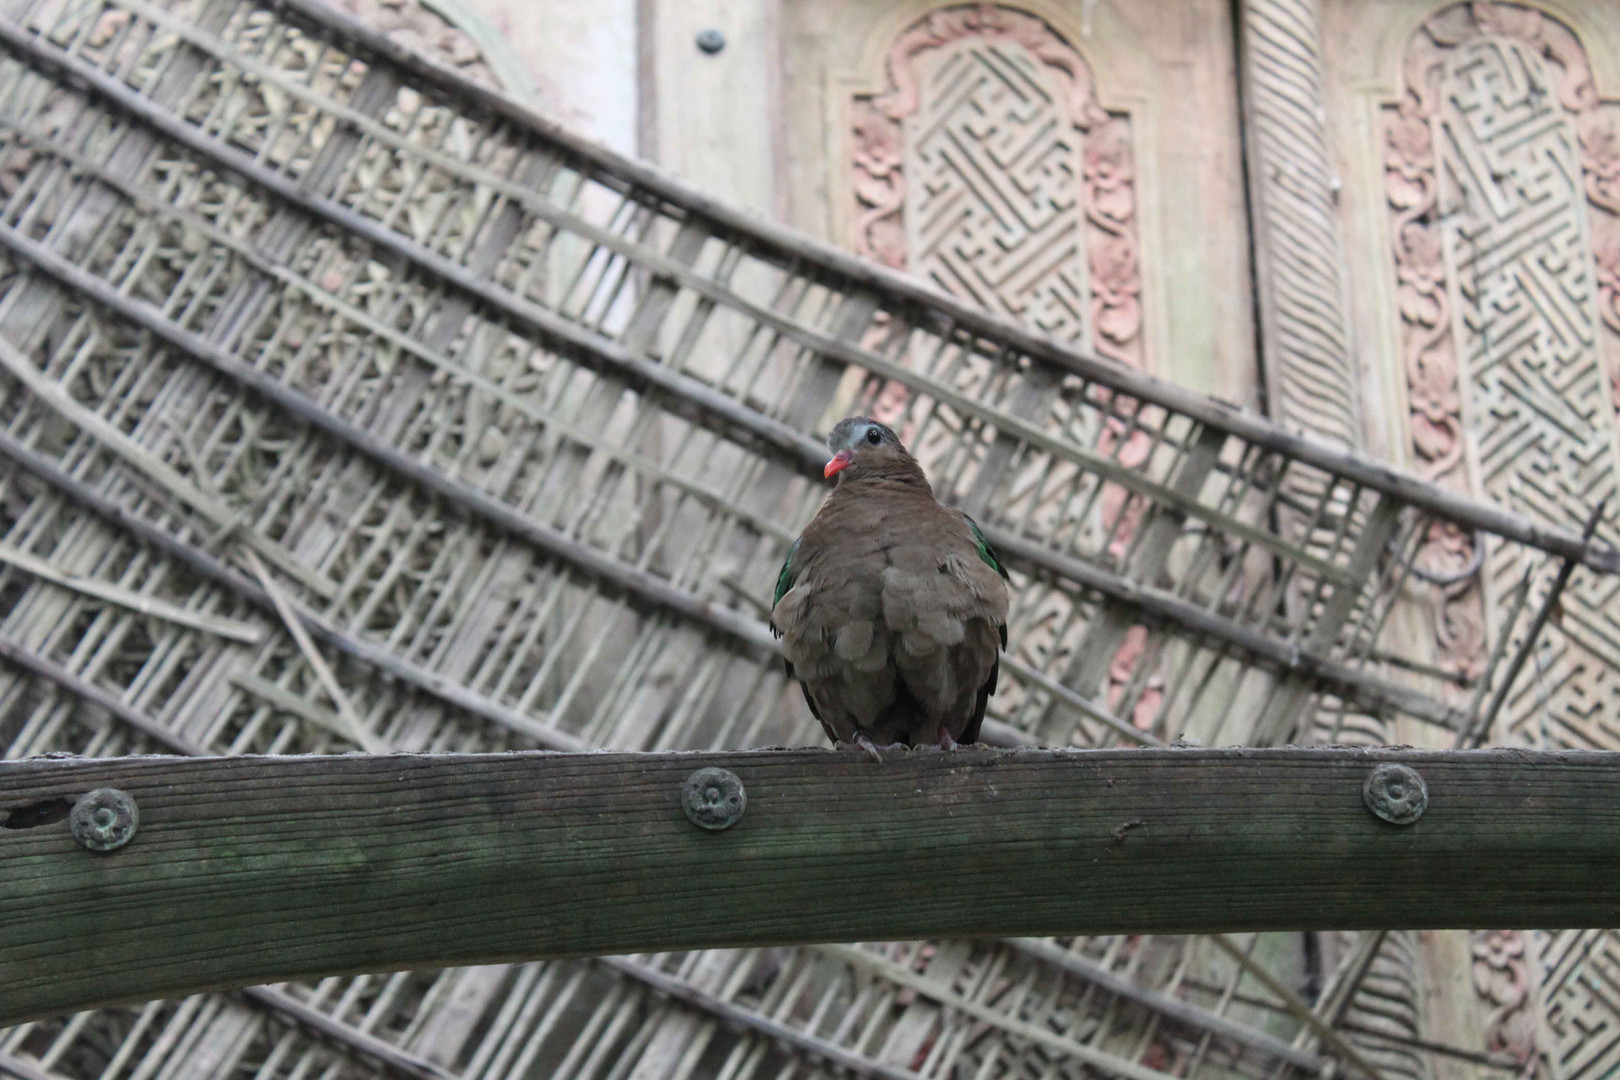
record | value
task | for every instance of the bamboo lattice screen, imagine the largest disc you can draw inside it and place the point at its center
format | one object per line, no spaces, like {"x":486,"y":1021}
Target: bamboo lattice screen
{"x":347,"y":405}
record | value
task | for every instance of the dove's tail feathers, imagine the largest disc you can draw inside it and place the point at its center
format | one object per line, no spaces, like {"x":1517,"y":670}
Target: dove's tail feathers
{"x":970,"y":733}
{"x":906,"y":719}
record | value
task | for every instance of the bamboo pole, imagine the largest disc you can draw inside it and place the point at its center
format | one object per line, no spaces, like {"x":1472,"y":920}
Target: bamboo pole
{"x":218,"y":625}
{"x":246,"y":870}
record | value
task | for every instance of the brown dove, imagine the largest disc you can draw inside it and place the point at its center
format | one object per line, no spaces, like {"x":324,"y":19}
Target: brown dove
{"x":891,"y":608}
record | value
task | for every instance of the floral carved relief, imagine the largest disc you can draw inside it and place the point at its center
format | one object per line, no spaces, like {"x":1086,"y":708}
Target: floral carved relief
{"x":1600,"y":168}
{"x":1501,"y":975}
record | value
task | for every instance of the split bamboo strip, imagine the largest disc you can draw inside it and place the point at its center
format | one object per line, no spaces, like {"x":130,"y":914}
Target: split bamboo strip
{"x":233,"y":629}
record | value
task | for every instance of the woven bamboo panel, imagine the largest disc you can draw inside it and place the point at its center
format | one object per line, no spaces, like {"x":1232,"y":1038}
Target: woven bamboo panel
{"x":346,"y":406}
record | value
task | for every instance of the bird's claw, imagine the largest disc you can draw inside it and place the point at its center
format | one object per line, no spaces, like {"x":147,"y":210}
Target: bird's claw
{"x":864,"y":743}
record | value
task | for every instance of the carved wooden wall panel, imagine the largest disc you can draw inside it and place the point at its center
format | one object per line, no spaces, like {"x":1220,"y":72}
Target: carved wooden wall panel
{"x":995,"y":209}
{"x":1507,"y":96}
{"x":1483,"y":168}
{"x":988,"y":166}
{"x":1158,"y":187}
{"x":1509,"y":388}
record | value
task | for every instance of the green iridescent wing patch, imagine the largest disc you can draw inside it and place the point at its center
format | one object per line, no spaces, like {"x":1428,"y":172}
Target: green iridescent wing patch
{"x":986,"y":552}
{"x":784,"y":580}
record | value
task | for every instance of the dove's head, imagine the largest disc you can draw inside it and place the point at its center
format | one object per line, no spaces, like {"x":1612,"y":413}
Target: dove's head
{"x":863,"y":447}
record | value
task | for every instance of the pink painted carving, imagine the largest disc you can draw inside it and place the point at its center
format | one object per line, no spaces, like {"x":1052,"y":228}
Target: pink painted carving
{"x":1600,"y":167}
{"x":1123,"y":667}
{"x":1116,"y":283}
{"x":880,"y":184}
{"x":1502,"y":977}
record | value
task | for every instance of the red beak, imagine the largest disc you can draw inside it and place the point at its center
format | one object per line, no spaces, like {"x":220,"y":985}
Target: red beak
{"x":837,"y":464}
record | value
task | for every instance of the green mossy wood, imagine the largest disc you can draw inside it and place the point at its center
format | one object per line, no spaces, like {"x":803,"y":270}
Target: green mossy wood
{"x":250,"y":870}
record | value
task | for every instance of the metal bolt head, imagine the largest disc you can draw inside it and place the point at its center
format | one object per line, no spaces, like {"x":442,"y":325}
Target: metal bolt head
{"x":713,"y":799}
{"x":711,"y":40}
{"x":104,"y":819}
{"x":1395,"y":793}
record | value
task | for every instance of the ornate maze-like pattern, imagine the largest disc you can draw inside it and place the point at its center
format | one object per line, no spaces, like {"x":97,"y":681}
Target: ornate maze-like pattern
{"x":1537,"y":406}
{"x":996,"y":215}
{"x":1536,"y":402}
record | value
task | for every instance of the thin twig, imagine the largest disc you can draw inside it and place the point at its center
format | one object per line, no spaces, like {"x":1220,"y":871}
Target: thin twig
{"x":349,"y":1037}
{"x":1478,"y":729}
{"x":208,"y":566}
{"x":1079,"y":702}
{"x":1100,"y":1060}
{"x":216,"y":513}
{"x":289,"y":702}
{"x":1494,"y":1061}
{"x":1184,"y":1011}
{"x":289,"y":618}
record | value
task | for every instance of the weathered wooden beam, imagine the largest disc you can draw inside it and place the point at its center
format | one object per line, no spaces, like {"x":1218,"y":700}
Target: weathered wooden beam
{"x":256,"y":869}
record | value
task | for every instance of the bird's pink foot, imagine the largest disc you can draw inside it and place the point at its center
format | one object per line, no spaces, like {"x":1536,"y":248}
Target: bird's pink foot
{"x":865,"y":743}
{"x":946,"y":742}
{"x":862,"y":742}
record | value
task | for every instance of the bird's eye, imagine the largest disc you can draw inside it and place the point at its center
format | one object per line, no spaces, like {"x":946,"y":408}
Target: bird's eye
{"x":874,"y":436}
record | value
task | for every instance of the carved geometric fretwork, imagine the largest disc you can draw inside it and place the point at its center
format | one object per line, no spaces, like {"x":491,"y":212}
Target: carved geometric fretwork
{"x":1580,"y":974}
{"x":987,"y":165}
{"x":1536,"y":400}
{"x":1536,"y":403}
{"x":1503,"y":177}
{"x":994,"y":210}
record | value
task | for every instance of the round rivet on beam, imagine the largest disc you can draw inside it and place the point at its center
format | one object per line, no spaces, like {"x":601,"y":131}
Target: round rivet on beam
{"x":713,"y":799}
{"x":1395,"y":793}
{"x":104,"y":819}
{"x":711,"y":40}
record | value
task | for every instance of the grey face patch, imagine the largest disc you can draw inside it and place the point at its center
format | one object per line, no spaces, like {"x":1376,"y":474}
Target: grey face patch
{"x":854,"y":432}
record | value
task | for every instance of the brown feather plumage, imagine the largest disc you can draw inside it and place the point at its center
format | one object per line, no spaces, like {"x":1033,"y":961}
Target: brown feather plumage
{"x":893,"y":620}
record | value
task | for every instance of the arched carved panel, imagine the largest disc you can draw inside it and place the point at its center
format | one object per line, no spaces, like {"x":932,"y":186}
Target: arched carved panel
{"x":1502,"y":172}
{"x":987,"y":165}
{"x":1499,"y":156}
{"x":995,"y":211}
